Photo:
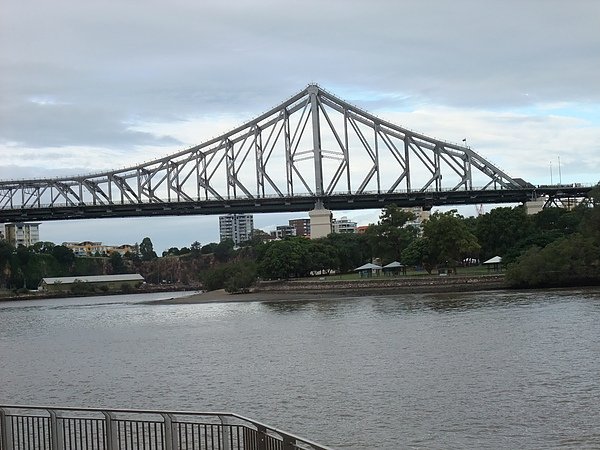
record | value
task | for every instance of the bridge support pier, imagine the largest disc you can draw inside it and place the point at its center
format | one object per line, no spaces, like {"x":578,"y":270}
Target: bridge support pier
{"x":534,"y":206}
{"x":320,"y":221}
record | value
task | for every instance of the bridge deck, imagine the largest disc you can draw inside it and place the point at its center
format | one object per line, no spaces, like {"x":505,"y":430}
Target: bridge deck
{"x":427,"y":200}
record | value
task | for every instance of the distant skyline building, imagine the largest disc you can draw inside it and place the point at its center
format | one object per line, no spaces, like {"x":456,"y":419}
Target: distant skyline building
{"x":302,"y":226}
{"x":362,"y":229}
{"x":237,"y":227}
{"x":421,"y":216}
{"x":343,"y":225}
{"x":91,"y":248}
{"x":20,"y":233}
{"x":283,"y":231}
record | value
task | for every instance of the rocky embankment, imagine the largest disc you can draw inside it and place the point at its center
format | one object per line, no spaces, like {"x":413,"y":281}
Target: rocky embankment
{"x":387,"y":285}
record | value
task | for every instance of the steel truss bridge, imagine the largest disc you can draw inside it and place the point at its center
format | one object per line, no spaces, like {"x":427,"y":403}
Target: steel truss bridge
{"x":313,"y":148}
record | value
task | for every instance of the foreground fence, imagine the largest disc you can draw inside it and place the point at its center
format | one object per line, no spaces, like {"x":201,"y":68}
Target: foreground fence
{"x":37,"y":428}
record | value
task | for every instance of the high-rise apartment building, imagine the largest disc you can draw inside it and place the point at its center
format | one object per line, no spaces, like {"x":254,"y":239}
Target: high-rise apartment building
{"x":283,"y":231}
{"x":343,"y":225}
{"x":25,"y":234}
{"x":421,"y":216}
{"x":302,"y":226}
{"x":237,"y":227}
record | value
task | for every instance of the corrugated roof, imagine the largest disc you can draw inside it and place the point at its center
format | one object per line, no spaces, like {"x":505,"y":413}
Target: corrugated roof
{"x":393,"y":265}
{"x":368,"y":266}
{"x":94,"y":278}
{"x":494,"y":260}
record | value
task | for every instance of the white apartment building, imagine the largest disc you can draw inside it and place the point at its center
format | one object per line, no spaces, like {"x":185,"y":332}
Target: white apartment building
{"x":343,"y":225}
{"x":20,"y":233}
{"x":90,"y":248}
{"x":420,"y":217}
{"x":283,"y":231}
{"x":237,"y":227}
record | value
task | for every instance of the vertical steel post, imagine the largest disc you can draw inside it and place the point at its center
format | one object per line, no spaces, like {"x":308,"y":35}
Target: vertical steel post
{"x":375,"y":129}
{"x":225,"y":434}
{"x":289,"y":443}
{"x":407,"y":159}
{"x":111,"y":437}
{"x":347,"y":151}
{"x":469,"y":185}
{"x":56,"y":432}
{"x":289,"y":160}
{"x":171,"y":441}
{"x":261,"y":441}
{"x":316,"y":130}
{"x":6,"y":440}
{"x":437,"y":168}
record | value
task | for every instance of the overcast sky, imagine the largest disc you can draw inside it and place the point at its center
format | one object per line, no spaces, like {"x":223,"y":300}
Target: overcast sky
{"x":90,"y":85}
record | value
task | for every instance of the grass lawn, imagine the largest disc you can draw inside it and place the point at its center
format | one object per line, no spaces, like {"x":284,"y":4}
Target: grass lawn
{"x":461,"y":271}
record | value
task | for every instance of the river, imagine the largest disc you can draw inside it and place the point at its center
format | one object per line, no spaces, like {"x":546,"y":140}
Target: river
{"x":470,"y":370}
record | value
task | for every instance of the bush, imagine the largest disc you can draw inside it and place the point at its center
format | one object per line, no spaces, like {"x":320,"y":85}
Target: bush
{"x":235,"y":278}
{"x":241,"y":278}
{"x":126,"y":288}
{"x":569,"y":261}
{"x":81,"y":287}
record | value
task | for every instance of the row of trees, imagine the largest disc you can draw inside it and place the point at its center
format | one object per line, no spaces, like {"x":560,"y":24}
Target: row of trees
{"x":554,"y":247}
{"x":551,"y":247}
{"x":24,"y":267}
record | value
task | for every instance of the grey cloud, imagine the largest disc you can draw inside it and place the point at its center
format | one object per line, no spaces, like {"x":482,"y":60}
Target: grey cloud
{"x":53,"y":125}
{"x":108,"y":64}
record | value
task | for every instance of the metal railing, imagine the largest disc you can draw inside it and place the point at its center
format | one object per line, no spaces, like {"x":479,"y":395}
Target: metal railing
{"x":41,"y":427}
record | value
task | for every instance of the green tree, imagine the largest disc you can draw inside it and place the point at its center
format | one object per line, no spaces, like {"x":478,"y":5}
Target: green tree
{"x":233,"y":277}
{"x":43,"y":247}
{"x":147,"y":250}
{"x":173,"y":251}
{"x":568,"y":261}
{"x":116,"y":263}
{"x":419,"y":253}
{"x":6,"y":252}
{"x":214,"y":278}
{"x":240,"y":277}
{"x":322,"y":256}
{"x":259,"y":236}
{"x":284,"y":259}
{"x":63,"y":255}
{"x":499,"y":230}
{"x":224,"y":250}
{"x":391,"y":235}
{"x":195,"y":249}
{"x":448,"y":239}
{"x":208,"y":248}
{"x":352,"y":250}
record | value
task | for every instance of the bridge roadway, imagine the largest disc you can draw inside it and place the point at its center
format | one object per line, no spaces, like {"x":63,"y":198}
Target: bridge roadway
{"x":277,"y":204}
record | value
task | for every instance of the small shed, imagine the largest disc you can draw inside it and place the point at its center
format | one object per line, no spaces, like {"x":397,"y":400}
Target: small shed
{"x":106,"y":282}
{"x":394,"y":268}
{"x":368,"y":270}
{"x":494,"y":264}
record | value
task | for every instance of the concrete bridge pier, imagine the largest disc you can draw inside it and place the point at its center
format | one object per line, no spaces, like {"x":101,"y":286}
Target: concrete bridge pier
{"x":535,"y":206}
{"x":320,"y":221}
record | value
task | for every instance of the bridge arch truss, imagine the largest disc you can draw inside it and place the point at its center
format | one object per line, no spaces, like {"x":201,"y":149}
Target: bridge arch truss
{"x":313,"y":146}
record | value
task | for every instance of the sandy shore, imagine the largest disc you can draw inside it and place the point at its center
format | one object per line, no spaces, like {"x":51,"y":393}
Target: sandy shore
{"x":316,"y":290}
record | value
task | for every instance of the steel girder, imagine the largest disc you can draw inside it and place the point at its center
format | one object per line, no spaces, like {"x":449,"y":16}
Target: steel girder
{"x":314,"y":145}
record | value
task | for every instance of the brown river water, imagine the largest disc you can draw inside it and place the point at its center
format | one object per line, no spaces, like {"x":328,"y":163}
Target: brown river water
{"x":478,"y":370}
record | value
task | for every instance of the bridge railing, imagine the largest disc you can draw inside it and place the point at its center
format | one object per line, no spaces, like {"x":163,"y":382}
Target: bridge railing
{"x":40,"y":427}
{"x":165,"y":201}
